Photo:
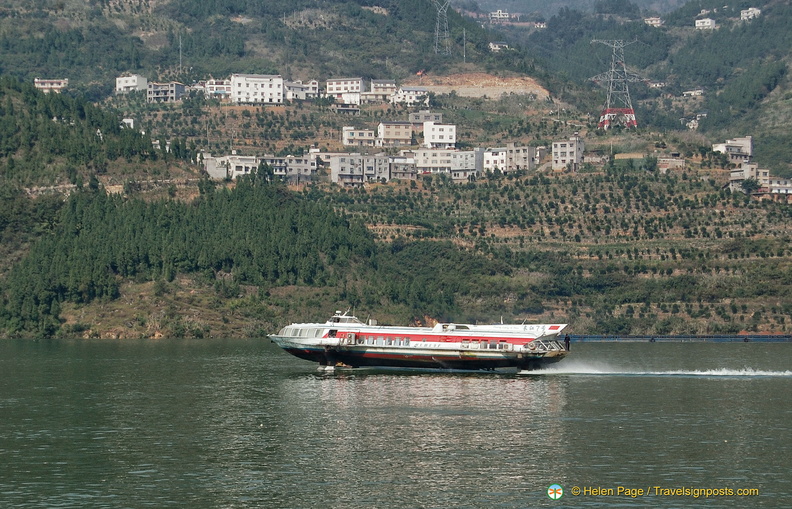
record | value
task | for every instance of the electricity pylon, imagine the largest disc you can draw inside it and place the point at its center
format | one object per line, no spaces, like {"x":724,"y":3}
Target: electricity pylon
{"x":618,"y":105}
{"x":442,"y":40}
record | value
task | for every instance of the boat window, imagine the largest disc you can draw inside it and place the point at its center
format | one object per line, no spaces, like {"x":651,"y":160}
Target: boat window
{"x":406,"y":341}
{"x":493,"y":344}
{"x":380,"y":340}
{"x":332,"y":333}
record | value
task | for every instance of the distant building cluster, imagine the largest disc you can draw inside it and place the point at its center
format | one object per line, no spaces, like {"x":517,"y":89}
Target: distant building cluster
{"x":435,"y":155}
{"x":274,"y":89}
{"x":707,"y":23}
{"x":740,"y":152}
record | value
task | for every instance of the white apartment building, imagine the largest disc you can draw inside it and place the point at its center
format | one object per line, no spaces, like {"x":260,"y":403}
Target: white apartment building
{"x":294,"y":169}
{"x":654,"y":21}
{"x":738,"y":149}
{"x":230,"y":166}
{"x":299,"y":91}
{"x":131,"y":83}
{"x":217,"y":89}
{"x":410,"y":96}
{"x":357,"y":169}
{"x":778,"y":185}
{"x":403,"y":168}
{"x":439,"y":135}
{"x":257,"y":89}
{"x":466,"y":163}
{"x":568,"y":154}
{"x":381,"y":91}
{"x":351,"y":137}
{"x":394,"y":134}
{"x":345,"y":90}
{"x":499,"y":16}
{"x":460,"y":164}
{"x":509,"y":158}
{"x":748,"y":171}
{"x":47,"y":85}
{"x":291,"y":168}
{"x":431,"y":160}
{"x":706,"y":24}
{"x":494,"y":159}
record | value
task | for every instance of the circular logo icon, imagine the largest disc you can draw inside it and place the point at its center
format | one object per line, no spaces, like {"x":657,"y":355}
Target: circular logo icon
{"x":555,"y":492}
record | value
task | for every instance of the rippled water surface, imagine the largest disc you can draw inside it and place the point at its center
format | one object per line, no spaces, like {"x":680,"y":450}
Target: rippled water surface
{"x":241,"y":424}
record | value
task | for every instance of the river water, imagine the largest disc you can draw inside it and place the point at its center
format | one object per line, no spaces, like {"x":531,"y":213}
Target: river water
{"x":239,"y":423}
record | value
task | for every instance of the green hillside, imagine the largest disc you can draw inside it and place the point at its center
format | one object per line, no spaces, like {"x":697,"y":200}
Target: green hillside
{"x":618,"y":249}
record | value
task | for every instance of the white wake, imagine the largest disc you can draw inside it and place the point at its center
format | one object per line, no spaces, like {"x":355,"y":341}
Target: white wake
{"x":592,"y":368}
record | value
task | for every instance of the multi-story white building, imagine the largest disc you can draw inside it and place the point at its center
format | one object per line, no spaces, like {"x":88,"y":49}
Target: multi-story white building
{"x":164,"y":92}
{"x":499,"y":16}
{"x":381,"y":91}
{"x":357,"y":169}
{"x":460,"y":164}
{"x":494,"y":159}
{"x":706,"y":24}
{"x":230,"y":166}
{"x":299,"y":91}
{"x":294,"y":169}
{"x":394,"y":134}
{"x":431,"y":160}
{"x":466,"y":163}
{"x":654,"y":21}
{"x":351,"y":137}
{"x":738,"y":149}
{"x":749,"y":13}
{"x":290,"y":168}
{"x":345,"y":90}
{"x":748,"y":171}
{"x":509,"y":158}
{"x":410,"y":96}
{"x":780,"y":187}
{"x":257,"y":89}
{"x":54,"y":85}
{"x":218,"y":89}
{"x":568,"y":154}
{"x":439,"y":135}
{"x":133,"y":83}
{"x":403,"y":168}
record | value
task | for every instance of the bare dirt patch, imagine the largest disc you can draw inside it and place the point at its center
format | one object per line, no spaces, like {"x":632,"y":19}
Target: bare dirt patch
{"x":481,"y":84}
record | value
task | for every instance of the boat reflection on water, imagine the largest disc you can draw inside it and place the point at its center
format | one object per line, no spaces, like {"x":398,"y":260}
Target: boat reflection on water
{"x":452,"y":428}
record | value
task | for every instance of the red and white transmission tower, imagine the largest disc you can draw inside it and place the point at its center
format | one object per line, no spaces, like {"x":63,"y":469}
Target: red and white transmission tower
{"x":618,"y":105}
